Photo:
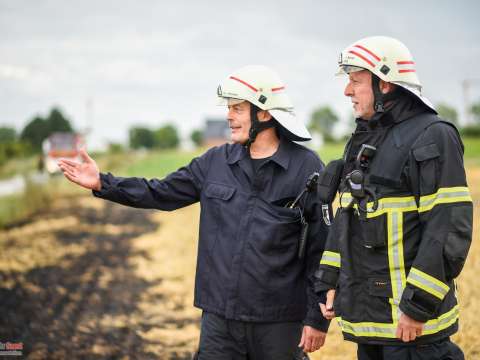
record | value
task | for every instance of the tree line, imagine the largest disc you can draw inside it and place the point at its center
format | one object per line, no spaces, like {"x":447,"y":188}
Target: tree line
{"x":322,"y":121}
{"x":29,"y":140}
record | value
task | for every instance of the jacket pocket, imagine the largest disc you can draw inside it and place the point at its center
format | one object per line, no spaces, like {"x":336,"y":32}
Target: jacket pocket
{"x":378,"y":308}
{"x":427,"y":157}
{"x":217,"y":215}
{"x":219,"y":191}
{"x":274,"y":237}
{"x":374,"y":232}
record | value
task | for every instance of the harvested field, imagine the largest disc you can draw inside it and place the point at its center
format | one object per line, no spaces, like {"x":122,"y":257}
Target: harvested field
{"x":91,"y":279}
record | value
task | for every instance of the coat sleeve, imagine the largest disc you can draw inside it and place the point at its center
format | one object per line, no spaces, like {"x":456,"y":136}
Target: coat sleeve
{"x":319,"y":217}
{"x":179,"y":189}
{"x":437,"y":177}
{"x":326,"y":276}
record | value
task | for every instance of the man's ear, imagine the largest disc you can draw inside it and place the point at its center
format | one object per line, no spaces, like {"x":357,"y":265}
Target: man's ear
{"x":386,"y":87}
{"x":263,"y":115}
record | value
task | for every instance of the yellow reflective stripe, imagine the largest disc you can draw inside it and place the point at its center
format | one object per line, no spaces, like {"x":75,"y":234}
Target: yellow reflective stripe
{"x":388,"y":330}
{"x":385,"y":205}
{"x":396,"y":260}
{"x":371,"y":329}
{"x":330,"y":258}
{"x":445,"y":196}
{"x":442,"y":322}
{"x":427,"y":283}
{"x":346,"y":199}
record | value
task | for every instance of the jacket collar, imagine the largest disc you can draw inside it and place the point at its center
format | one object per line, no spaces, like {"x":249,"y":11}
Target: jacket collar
{"x":281,"y":156}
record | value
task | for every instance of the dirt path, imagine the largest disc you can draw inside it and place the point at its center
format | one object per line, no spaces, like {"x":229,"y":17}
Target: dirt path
{"x":81,"y":282}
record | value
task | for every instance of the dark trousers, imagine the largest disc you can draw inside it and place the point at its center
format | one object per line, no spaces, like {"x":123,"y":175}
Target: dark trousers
{"x":440,"y":350}
{"x":222,"y":339}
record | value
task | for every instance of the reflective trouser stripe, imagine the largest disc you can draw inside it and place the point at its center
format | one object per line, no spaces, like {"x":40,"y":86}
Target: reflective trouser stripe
{"x":388,"y":330}
{"x":444,"y":196}
{"x":427,"y":283}
{"x":330,"y":258}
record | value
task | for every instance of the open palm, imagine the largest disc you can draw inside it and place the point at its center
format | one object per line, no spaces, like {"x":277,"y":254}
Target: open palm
{"x":85,"y":174}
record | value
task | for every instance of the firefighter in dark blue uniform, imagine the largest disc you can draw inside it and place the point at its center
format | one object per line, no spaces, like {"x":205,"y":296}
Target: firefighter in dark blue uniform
{"x":404,"y":226}
{"x":262,"y":228}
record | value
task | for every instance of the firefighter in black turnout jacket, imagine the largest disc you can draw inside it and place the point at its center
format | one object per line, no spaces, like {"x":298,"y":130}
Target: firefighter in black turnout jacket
{"x":403,"y":229}
{"x":256,"y":259}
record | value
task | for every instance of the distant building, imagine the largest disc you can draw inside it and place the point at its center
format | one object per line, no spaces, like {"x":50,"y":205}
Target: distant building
{"x":216,"y":132}
{"x":61,"y":145}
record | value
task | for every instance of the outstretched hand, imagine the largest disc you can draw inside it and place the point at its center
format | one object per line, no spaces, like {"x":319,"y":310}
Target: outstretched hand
{"x":85,"y":174}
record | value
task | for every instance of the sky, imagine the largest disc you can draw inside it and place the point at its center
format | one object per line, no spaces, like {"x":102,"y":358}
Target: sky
{"x":110,"y":65}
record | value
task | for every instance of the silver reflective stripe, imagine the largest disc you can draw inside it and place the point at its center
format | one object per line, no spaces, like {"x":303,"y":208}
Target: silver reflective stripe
{"x":396,"y":261}
{"x":442,"y":195}
{"x":416,"y":278}
{"x":442,"y":323}
{"x":370,"y":330}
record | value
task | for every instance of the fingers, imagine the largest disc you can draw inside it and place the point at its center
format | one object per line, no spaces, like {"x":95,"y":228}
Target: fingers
{"x":68,"y":162}
{"x":302,"y":340}
{"x":314,"y":342}
{"x":407,"y":334}
{"x":66,"y":167}
{"x":308,"y":344}
{"x":330,"y":299}
{"x":321,"y":340}
{"x":419,"y":331}
{"x":327,"y":314}
{"x":71,"y":177}
{"x":399,"y":332}
{"x":85,"y":157}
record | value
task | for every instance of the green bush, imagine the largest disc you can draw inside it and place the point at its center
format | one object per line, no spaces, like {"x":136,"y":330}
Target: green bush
{"x":471,"y":131}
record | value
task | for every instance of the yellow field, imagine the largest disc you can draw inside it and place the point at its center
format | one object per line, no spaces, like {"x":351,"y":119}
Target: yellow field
{"x":92,"y":279}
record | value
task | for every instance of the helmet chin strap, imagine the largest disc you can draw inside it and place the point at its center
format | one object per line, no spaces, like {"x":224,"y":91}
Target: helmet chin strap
{"x":379,"y":98}
{"x":257,"y":126}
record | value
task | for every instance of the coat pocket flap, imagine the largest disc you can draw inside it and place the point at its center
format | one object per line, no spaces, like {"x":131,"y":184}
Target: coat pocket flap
{"x":426,"y":152}
{"x":380,"y":287}
{"x":219,"y":191}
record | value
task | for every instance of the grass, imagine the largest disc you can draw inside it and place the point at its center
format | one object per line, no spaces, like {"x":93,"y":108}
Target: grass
{"x":19,"y":166}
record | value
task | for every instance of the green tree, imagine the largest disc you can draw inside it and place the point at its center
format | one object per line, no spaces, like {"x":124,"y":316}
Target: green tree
{"x":38,"y":129}
{"x":475,"y":111}
{"x":447,"y":112}
{"x":322,"y":121}
{"x":57,"y":122}
{"x":197,"y":137}
{"x":141,"y":137}
{"x":35,"y":132}
{"x":7,"y":134}
{"x":166,"y":137}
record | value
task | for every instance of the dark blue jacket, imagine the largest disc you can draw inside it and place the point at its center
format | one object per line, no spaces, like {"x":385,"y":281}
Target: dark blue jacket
{"x":247,"y":266}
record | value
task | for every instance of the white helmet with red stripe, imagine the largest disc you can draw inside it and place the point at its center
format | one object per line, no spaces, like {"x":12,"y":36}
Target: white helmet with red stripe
{"x":385,"y":57}
{"x":262,"y":87}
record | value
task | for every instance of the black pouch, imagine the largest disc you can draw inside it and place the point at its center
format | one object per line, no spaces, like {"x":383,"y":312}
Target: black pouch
{"x":302,"y":243}
{"x":329,"y":180}
{"x":374,"y":232}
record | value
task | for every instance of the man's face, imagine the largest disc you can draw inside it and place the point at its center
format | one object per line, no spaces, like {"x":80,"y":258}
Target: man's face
{"x":359,"y":89}
{"x":239,"y":121}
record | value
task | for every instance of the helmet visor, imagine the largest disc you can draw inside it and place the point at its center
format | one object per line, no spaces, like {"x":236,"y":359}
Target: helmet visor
{"x":224,"y":101}
{"x":347,"y":69}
